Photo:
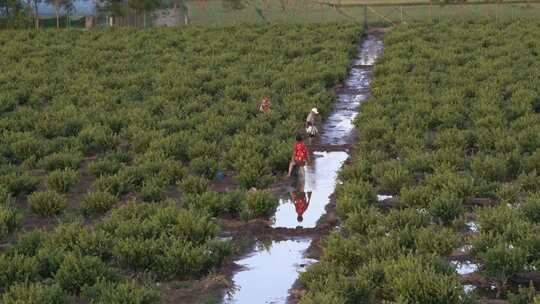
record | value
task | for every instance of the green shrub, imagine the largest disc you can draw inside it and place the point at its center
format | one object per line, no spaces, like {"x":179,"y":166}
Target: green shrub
{"x":20,"y":183}
{"x":61,"y":160}
{"x":120,"y":293}
{"x":217,"y":203}
{"x":436,"y":240}
{"x":97,"y":138}
{"x":531,"y":208}
{"x":253,"y":172}
{"x":409,"y":280}
{"x":34,"y":293}
{"x":446,"y":207}
{"x":104,"y":167}
{"x":78,"y":271}
{"x":391,"y":176}
{"x":113,"y":184}
{"x":353,"y":196}
{"x":508,"y":193}
{"x":194,"y":185}
{"x":153,"y":190}
{"x":17,"y":269}
{"x":9,"y":218}
{"x":502,"y":261}
{"x":97,"y":203}
{"x":47,"y":203}
{"x":259,"y":204}
{"x":321,"y":297}
{"x":62,"y":180}
{"x":28,"y":243}
{"x":204,"y":166}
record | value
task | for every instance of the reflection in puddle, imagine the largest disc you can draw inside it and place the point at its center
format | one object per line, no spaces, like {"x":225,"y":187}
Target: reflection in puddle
{"x":468,"y":288}
{"x":269,"y":273}
{"x":473,"y":227}
{"x":464,"y":267}
{"x":381,"y":198}
{"x":320,"y":183}
{"x":372,"y":47}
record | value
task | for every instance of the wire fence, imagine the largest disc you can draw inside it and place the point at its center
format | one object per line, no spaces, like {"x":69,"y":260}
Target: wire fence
{"x":375,"y":13}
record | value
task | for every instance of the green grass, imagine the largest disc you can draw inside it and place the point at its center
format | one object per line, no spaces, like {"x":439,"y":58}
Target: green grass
{"x":214,"y":13}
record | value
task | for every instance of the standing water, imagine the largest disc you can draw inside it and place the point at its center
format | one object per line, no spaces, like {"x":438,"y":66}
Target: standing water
{"x":268,"y":275}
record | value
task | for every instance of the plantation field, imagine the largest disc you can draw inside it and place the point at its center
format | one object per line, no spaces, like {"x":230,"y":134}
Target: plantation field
{"x":110,"y":142}
{"x":452,"y":132}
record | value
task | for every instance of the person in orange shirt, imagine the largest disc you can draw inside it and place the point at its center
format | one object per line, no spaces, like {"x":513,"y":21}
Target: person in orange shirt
{"x":301,"y":203}
{"x":265,"y":105}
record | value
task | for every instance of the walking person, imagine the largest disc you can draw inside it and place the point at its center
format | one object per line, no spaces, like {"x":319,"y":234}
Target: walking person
{"x":311,"y":129}
{"x":300,"y":157}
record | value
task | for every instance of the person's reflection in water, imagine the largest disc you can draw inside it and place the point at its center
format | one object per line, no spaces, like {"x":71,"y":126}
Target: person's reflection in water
{"x":301,"y":202}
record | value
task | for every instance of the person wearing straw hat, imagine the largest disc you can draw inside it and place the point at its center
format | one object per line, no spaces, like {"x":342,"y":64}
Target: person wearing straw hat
{"x":311,"y":129}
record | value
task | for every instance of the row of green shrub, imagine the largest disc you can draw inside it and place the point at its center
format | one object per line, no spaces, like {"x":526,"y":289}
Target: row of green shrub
{"x":454,"y":116}
{"x":160,"y":239}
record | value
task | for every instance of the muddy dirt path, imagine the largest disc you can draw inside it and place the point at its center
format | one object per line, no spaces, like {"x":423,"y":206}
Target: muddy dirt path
{"x":268,"y":273}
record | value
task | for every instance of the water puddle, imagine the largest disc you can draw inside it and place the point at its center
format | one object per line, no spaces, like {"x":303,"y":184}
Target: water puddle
{"x":338,"y":127}
{"x":304,"y":208}
{"x":381,"y":197}
{"x":370,"y":50}
{"x":472,"y":226}
{"x":464,"y":267}
{"x":269,"y":273}
{"x":467,"y":288}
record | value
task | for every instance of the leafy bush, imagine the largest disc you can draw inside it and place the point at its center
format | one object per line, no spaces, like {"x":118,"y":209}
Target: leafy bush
{"x":47,"y":203}
{"x":104,"y":167}
{"x":62,"y":180}
{"x":120,"y":293}
{"x":352,"y":196}
{"x":96,"y":138}
{"x":34,"y":293}
{"x":194,"y":185}
{"x":153,"y":190}
{"x":78,"y":271}
{"x":61,"y":160}
{"x":391,"y":176}
{"x":502,"y":261}
{"x":531,"y":208}
{"x":9,"y":218}
{"x":446,"y":207}
{"x":17,"y":269}
{"x":97,"y":202}
{"x":258,"y":204}
{"x":436,"y":240}
{"x":113,"y":184}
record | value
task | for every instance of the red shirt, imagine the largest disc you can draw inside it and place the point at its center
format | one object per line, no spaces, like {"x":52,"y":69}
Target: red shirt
{"x":300,"y":152}
{"x":300,"y":203}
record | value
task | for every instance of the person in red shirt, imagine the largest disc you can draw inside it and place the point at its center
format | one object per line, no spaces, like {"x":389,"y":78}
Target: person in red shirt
{"x":300,"y":156}
{"x":301,"y":203}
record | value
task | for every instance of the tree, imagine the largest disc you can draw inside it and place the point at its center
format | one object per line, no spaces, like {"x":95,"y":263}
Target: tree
{"x":34,"y":6}
{"x":58,"y":5}
{"x":144,"y":6}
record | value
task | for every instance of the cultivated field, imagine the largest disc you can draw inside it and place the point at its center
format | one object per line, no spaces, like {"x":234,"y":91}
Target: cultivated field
{"x":111,"y":141}
{"x":452,"y":132}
